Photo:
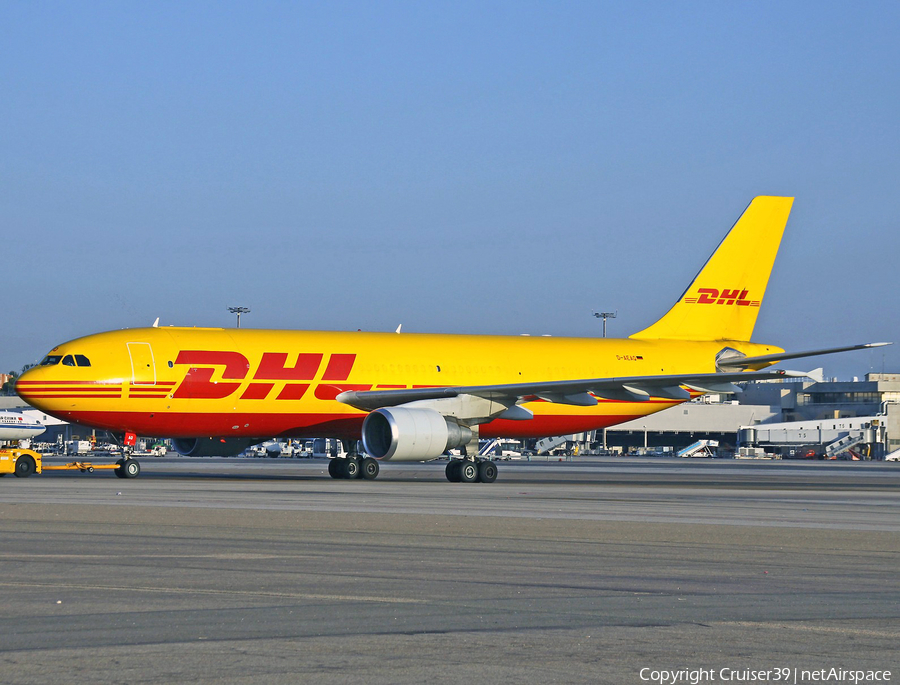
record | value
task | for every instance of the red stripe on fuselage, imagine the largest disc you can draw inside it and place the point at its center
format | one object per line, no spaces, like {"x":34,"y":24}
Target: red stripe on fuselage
{"x":31,"y":383}
{"x":41,"y":396}
{"x":74,"y":388}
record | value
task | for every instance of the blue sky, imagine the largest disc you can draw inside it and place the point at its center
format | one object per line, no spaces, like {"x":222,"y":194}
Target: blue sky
{"x":474,"y":167}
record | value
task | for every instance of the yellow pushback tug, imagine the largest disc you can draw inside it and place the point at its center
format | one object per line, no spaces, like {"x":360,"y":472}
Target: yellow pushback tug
{"x":23,"y":463}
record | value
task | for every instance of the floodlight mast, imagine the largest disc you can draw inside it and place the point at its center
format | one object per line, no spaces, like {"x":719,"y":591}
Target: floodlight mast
{"x":605,"y":316}
{"x":239,"y":311}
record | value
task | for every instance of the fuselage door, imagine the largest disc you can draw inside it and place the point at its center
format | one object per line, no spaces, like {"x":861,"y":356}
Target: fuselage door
{"x":143,"y":370}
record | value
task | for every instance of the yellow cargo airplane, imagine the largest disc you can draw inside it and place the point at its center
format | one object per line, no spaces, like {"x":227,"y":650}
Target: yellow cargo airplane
{"x":415,"y":397}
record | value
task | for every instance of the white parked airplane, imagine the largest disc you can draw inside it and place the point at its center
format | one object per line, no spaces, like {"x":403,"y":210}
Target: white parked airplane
{"x":17,"y":426}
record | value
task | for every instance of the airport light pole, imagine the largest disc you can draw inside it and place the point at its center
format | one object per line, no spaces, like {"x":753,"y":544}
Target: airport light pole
{"x":239,"y":311}
{"x":605,"y":316}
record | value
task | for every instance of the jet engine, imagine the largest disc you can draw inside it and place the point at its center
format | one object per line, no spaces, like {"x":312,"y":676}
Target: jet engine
{"x":401,"y":434}
{"x":211,"y":447}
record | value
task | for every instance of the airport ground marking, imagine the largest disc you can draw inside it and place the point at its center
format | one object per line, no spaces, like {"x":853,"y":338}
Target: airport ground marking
{"x":237,"y":593}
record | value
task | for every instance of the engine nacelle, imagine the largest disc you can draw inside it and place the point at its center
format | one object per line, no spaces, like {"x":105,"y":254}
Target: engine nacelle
{"x":211,"y":447}
{"x":401,"y":434}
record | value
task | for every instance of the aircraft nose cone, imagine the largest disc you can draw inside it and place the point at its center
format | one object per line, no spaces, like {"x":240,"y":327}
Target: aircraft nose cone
{"x":28,"y":383}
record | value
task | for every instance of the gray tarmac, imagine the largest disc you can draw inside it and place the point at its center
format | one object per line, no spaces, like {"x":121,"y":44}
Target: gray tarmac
{"x":268,"y":571}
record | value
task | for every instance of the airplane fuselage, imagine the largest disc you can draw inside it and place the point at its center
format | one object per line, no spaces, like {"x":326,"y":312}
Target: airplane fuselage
{"x":245,"y":383}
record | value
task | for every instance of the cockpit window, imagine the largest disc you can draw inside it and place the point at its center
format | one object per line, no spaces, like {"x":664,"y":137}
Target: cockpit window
{"x":68,"y":360}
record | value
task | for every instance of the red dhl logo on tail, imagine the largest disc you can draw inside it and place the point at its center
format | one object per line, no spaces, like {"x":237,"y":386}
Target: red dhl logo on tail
{"x":715,"y":296}
{"x":198,"y":383}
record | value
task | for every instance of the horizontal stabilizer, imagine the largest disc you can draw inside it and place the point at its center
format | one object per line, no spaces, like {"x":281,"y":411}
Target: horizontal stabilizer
{"x":736,"y":362}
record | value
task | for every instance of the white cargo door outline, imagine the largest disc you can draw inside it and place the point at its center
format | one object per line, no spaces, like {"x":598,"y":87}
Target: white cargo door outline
{"x":143,"y":369}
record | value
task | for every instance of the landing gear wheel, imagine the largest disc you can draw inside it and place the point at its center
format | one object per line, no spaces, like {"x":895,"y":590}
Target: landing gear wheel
{"x":351,"y":467}
{"x":370,"y":468}
{"x":334,"y":469}
{"x":468,"y":472}
{"x":452,"y":470}
{"x":131,"y":469}
{"x":487,"y":471}
{"x":128,"y":468}
{"x":25,"y":466}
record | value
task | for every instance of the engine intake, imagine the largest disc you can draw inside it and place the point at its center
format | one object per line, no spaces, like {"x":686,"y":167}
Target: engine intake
{"x":401,"y":434}
{"x":211,"y":447}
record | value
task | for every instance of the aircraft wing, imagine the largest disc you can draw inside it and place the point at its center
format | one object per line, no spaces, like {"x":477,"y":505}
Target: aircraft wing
{"x":583,"y":392}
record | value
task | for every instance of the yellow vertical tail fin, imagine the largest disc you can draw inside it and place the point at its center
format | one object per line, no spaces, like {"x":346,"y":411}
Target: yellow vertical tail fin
{"x":723,"y":300}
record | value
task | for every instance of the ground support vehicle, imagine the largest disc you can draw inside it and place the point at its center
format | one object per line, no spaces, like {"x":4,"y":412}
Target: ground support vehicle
{"x":22,"y":463}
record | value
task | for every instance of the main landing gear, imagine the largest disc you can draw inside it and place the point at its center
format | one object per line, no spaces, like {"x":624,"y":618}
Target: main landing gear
{"x":353,"y":466}
{"x":469,"y":471}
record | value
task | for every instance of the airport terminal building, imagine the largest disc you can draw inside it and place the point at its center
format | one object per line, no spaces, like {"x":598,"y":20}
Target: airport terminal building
{"x":795,"y":406}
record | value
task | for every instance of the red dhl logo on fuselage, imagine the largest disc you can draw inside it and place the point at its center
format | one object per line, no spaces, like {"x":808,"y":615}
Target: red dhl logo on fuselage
{"x":234,"y":371}
{"x":715,"y":296}
{"x":198,"y":383}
